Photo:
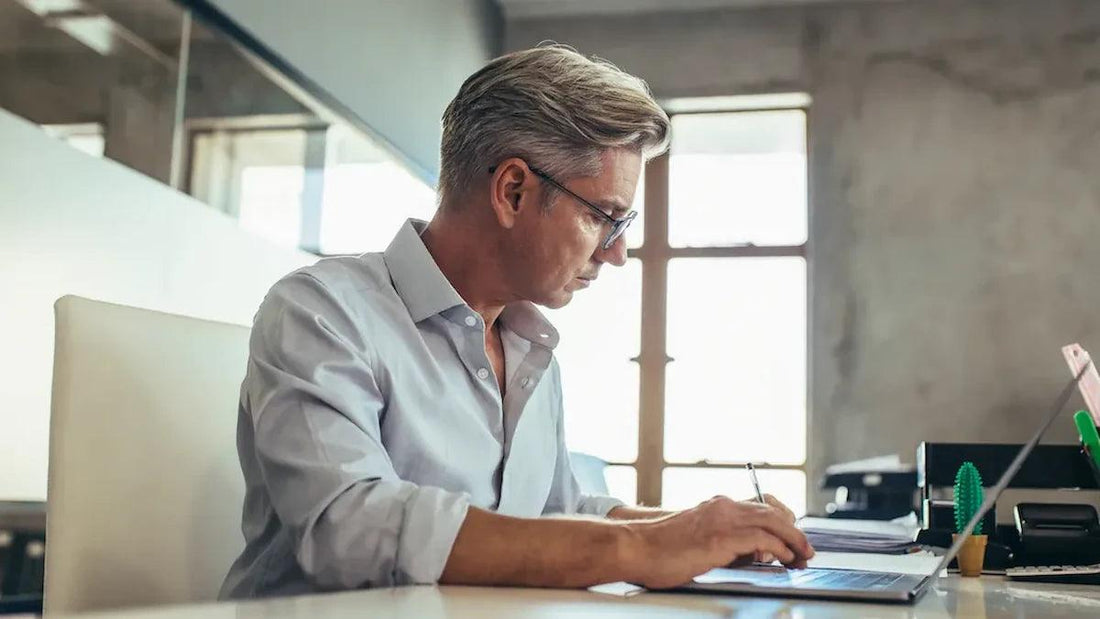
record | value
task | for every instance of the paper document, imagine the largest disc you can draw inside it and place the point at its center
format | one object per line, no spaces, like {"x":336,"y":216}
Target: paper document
{"x":618,"y":589}
{"x":918,"y":563}
{"x":847,"y":535}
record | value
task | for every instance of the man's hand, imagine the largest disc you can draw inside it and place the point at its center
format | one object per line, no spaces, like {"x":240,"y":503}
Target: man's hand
{"x":765,"y":557}
{"x":776,"y":503}
{"x":673,"y":550}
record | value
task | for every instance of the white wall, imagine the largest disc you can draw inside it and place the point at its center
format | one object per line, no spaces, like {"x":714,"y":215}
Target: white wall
{"x":394,"y":64}
{"x":73,"y":224}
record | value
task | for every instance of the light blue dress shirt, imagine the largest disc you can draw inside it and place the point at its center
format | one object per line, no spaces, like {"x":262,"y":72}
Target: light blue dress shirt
{"x":370,"y":420}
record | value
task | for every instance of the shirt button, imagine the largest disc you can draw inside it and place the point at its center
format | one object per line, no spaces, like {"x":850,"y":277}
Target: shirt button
{"x":526,"y":382}
{"x":483,"y":373}
{"x":471,"y":321}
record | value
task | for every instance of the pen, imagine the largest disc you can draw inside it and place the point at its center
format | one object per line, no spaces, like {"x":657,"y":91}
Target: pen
{"x":755,"y":482}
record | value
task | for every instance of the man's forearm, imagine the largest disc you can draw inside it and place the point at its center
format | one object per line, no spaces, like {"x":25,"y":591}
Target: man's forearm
{"x":539,"y":552}
{"x":624,"y":512}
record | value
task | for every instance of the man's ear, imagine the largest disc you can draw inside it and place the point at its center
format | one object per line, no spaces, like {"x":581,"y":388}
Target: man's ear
{"x":512,"y":188}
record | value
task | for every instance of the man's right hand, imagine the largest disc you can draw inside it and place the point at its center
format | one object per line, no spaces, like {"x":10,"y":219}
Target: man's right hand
{"x":673,"y":550}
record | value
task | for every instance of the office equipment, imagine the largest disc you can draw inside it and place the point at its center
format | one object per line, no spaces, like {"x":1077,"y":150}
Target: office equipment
{"x":1066,"y":574}
{"x":879,"y":488}
{"x":1049,"y":467}
{"x":145,"y":490}
{"x":859,"y":584}
{"x":1057,"y":533}
{"x":22,"y":535}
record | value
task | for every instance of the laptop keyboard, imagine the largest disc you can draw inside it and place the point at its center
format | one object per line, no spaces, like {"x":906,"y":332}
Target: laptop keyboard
{"x":844,"y":580}
{"x":830,"y":579}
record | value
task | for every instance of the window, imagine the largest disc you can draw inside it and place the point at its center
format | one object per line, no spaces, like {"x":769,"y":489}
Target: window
{"x":711,"y":311}
{"x":325,"y":189}
{"x":367,"y":196}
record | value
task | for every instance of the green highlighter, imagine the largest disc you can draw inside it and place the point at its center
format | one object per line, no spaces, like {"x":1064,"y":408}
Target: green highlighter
{"x":1089,"y":437}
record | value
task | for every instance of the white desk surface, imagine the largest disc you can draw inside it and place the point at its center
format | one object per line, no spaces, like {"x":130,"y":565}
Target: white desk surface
{"x":988,"y":596}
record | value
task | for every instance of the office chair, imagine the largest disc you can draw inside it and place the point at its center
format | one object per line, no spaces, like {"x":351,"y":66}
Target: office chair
{"x":145,"y":490}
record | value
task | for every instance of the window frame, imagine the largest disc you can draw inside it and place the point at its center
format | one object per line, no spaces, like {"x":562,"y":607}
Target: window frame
{"x":654,"y":254}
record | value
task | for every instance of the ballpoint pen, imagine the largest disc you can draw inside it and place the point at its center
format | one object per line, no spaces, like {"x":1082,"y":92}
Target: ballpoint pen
{"x":755,"y":482}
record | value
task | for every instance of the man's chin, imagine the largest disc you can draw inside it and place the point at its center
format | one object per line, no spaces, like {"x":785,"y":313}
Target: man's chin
{"x":559,"y":300}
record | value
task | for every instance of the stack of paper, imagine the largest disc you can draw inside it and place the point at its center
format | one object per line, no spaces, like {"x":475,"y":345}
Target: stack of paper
{"x":921,"y":563}
{"x":844,"y":535}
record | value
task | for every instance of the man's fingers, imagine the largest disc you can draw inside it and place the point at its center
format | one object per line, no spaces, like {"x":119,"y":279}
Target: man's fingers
{"x":742,"y":561}
{"x":776,"y":503}
{"x":756,"y":541}
{"x":774,"y":523}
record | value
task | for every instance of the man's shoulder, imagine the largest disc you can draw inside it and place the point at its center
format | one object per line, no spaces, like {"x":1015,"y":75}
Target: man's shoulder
{"x":355,"y":285}
{"x":344,"y":274}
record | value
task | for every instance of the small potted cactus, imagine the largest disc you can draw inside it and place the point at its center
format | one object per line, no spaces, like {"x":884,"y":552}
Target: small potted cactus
{"x":968,"y":498}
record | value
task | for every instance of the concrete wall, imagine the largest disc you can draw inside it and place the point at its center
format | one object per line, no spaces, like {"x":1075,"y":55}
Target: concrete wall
{"x":73,"y":224}
{"x":394,"y":64}
{"x":955,"y":191}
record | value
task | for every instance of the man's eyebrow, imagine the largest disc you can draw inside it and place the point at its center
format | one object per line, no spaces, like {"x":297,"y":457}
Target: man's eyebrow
{"x":616,"y":207}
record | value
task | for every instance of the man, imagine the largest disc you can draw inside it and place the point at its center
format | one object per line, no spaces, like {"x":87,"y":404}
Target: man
{"x":401,"y":419}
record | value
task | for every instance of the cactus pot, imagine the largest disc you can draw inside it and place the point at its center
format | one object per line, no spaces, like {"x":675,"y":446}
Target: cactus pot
{"x":972,"y":555}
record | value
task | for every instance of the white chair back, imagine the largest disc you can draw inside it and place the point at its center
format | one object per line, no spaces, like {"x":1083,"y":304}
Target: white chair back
{"x":145,"y":489}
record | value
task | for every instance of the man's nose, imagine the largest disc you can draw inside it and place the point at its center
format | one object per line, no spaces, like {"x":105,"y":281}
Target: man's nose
{"x":615,"y":255}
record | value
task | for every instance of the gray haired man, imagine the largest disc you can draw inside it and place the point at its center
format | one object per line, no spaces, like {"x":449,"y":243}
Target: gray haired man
{"x":401,"y":417}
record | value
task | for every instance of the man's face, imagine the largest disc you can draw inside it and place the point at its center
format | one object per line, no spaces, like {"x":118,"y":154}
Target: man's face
{"x":560,"y":251}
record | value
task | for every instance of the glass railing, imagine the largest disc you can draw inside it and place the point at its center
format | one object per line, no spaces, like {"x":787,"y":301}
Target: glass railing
{"x":172,"y":95}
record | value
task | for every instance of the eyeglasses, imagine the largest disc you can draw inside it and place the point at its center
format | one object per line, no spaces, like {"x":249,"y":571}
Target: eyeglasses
{"x":618,"y":226}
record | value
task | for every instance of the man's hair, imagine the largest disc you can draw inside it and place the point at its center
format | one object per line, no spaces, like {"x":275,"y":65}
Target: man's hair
{"x":551,"y":106}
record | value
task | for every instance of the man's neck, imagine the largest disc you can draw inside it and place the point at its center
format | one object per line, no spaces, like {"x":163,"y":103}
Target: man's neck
{"x":460,"y":251}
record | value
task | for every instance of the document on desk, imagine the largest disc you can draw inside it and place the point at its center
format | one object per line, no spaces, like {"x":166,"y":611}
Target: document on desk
{"x":921,"y":563}
{"x":617,"y":589}
{"x":845,"y":535}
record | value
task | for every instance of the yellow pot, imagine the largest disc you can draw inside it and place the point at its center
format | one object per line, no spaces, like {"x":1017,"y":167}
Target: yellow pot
{"x":972,"y":555}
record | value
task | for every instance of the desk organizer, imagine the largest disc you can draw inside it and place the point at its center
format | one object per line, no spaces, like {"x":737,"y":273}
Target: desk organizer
{"x":1048,"y":467}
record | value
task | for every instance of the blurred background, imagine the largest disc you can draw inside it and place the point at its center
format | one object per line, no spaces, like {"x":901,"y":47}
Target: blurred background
{"x":876,"y":224}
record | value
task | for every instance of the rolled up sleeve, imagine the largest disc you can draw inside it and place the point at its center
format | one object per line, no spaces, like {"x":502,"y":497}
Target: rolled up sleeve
{"x":316,"y":408}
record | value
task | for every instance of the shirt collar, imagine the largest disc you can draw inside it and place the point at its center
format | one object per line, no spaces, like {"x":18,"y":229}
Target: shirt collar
{"x":526,"y":321}
{"x":418,"y":280}
{"x":427,"y":292}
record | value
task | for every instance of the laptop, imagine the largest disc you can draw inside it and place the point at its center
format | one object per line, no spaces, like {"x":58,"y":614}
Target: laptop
{"x":859,"y":585}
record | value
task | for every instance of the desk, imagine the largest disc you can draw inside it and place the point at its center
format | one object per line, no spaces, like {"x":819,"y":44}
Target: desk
{"x":989,"y":596}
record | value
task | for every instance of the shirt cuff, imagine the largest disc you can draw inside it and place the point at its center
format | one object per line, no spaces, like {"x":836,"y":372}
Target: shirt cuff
{"x":433,"y":519}
{"x":597,"y":505}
